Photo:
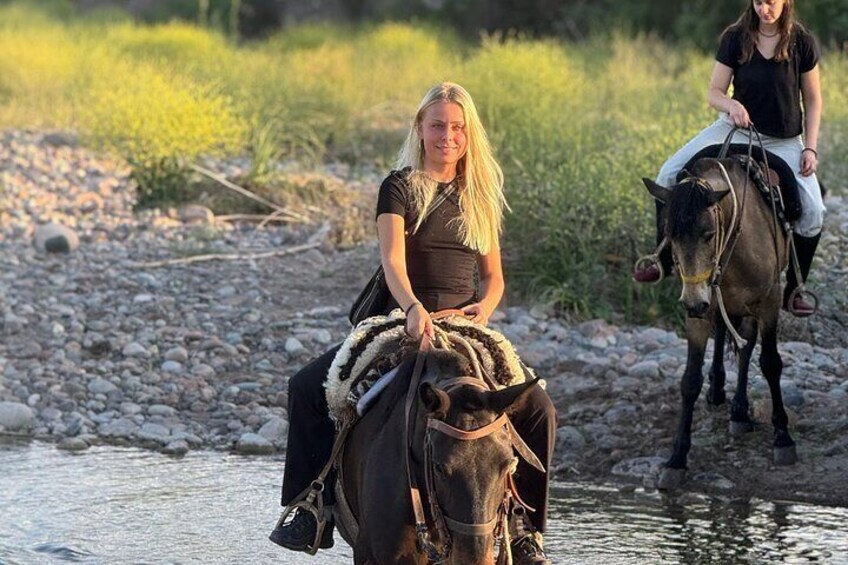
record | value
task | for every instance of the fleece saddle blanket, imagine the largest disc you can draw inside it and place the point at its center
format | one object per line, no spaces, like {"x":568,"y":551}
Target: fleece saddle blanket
{"x":375,"y":347}
{"x":788,"y":184}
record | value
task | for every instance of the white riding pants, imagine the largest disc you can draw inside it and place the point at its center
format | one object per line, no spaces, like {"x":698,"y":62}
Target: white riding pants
{"x":812,"y":206}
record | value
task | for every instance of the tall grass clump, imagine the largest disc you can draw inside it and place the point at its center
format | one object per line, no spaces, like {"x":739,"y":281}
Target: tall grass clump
{"x":157,"y":120}
{"x":575,"y":135}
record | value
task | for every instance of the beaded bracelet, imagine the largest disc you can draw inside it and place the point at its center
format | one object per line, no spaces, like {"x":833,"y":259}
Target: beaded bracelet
{"x":813,"y":151}
{"x":410,"y":307}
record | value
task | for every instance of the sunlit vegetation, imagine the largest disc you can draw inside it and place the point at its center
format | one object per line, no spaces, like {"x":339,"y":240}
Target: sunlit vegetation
{"x":575,"y":125}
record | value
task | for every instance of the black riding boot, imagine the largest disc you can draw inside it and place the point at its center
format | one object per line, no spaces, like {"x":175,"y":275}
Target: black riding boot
{"x":526,"y":541}
{"x":805,"y":250}
{"x":300,"y":533}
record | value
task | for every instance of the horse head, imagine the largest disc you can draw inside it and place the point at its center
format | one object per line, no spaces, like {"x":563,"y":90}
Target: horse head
{"x":695,"y":230}
{"x":468,"y":454}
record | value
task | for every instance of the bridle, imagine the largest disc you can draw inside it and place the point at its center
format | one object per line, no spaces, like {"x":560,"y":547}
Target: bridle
{"x":443,"y":524}
{"x":722,"y":238}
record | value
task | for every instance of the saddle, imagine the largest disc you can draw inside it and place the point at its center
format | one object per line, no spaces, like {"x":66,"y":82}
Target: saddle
{"x":372,"y":351}
{"x":778,"y":175}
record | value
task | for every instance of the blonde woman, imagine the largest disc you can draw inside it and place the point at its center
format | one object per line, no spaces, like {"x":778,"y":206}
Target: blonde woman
{"x":430,"y":265}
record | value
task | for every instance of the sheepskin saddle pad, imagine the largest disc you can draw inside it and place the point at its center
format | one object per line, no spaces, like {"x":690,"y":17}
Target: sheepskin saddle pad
{"x":373,"y":351}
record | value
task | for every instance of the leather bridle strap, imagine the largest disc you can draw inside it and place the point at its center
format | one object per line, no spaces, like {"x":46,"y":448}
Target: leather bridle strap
{"x":484,"y":529}
{"x":421,"y":531}
{"x":467,"y":435}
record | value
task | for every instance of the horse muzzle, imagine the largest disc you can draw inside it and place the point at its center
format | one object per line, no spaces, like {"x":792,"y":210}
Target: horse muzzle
{"x":697,"y":309}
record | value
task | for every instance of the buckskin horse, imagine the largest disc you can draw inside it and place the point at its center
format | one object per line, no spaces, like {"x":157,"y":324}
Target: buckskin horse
{"x":730,"y":250}
{"x":458,"y":444}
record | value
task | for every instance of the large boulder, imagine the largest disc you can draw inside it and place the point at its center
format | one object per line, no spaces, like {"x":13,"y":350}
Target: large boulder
{"x":55,"y":238}
{"x":15,"y":417}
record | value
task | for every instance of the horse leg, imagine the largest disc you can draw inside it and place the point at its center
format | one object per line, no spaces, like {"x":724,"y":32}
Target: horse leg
{"x":697,"y":333}
{"x":715,"y":393}
{"x":740,"y":417}
{"x":772,"y":366}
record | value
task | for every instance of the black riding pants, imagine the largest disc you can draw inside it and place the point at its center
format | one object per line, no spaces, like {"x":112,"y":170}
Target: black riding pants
{"x":311,"y":432}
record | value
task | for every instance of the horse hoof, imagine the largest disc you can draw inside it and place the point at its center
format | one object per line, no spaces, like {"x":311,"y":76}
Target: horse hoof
{"x":715,"y":400}
{"x":785,"y":455}
{"x":670,"y":478}
{"x":741,"y":428}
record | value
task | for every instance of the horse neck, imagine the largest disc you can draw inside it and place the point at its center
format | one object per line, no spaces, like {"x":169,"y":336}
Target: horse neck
{"x":753,"y":252}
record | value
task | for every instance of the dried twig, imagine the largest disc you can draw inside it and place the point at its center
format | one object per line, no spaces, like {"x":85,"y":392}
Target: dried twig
{"x":294,"y":216}
{"x":226,"y":257}
{"x":251,"y":218}
{"x":274,"y":216}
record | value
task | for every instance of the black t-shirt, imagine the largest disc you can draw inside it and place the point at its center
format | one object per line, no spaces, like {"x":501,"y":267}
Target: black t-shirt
{"x":441,"y":268}
{"x":770,"y":90}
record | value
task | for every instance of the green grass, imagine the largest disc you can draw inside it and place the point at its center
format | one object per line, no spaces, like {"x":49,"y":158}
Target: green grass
{"x":575,"y":126}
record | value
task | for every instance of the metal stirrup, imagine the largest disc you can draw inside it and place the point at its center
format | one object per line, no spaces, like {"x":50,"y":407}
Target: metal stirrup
{"x":653,"y":258}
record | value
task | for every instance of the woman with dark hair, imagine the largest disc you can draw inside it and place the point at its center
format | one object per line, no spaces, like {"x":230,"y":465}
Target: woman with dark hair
{"x":772,"y":62}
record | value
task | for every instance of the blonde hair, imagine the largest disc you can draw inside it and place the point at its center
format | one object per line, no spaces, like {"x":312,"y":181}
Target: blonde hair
{"x":479,"y":177}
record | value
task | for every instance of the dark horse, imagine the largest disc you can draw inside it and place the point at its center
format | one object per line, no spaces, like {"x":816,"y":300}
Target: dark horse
{"x":467,"y":476}
{"x":729,"y":251}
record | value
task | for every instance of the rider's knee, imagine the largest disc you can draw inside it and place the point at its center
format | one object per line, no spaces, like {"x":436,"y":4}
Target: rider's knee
{"x":540,"y":406}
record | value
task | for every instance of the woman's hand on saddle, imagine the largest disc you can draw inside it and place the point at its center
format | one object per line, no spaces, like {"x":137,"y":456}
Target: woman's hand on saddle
{"x":478,"y":313}
{"x":809,"y":162}
{"x":418,"y":322}
{"x":739,"y":114}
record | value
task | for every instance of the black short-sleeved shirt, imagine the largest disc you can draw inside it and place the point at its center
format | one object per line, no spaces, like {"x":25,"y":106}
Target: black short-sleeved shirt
{"x":441,"y":268}
{"x":770,"y":90}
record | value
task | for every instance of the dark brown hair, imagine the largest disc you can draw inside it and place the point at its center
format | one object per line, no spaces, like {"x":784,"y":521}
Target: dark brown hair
{"x":749,"y":26}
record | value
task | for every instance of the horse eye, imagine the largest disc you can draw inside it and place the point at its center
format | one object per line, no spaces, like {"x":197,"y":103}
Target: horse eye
{"x":708,"y":236}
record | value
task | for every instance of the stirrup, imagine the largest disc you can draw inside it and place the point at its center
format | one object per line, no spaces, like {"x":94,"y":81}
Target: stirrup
{"x":801,"y":291}
{"x":647,"y":260}
{"x":653,"y":258}
{"x":312,"y":502}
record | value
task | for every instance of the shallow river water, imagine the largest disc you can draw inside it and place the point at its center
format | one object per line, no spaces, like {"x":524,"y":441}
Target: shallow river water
{"x":119,"y":505}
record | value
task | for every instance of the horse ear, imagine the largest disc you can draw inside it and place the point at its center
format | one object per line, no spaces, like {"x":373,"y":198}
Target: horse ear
{"x":511,"y":397}
{"x":661,"y":193}
{"x":716,"y":196}
{"x":436,"y":401}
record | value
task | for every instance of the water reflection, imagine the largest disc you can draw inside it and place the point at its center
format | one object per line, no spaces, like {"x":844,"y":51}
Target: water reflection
{"x":111,"y":505}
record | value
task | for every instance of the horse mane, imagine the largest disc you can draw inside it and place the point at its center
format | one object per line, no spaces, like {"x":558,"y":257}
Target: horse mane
{"x":688,"y":200}
{"x":395,"y":393}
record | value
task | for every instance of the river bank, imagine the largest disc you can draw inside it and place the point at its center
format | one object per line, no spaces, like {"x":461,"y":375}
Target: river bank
{"x":130,"y":339}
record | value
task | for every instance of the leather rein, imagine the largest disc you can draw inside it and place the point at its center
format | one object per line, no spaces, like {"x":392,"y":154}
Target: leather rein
{"x":442,"y":523}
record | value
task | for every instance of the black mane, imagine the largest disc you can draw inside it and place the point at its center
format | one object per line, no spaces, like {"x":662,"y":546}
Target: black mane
{"x":688,"y":200}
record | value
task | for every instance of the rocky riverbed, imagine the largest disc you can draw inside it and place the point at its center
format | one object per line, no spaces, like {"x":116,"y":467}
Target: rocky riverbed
{"x":125,"y":334}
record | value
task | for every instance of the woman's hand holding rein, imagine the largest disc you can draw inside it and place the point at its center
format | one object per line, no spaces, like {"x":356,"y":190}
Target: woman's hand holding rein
{"x":418,"y":321}
{"x":809,"y":161}
{"x":478,"y":313}
{"x":739,"y":114}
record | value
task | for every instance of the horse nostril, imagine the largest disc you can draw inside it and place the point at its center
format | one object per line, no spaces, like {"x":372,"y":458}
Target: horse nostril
{"x":698,"y":310}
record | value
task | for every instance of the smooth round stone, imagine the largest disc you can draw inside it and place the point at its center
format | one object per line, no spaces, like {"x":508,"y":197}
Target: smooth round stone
{"x":254,"y":444}
{"x":178,"y":354}
{"x":294,"y":346}
{"x":172,"y":367}
{"x":72,"y":444}
{"x":15,"y":416}
{"x":177,"y":447}
{"x":134,"y":349}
